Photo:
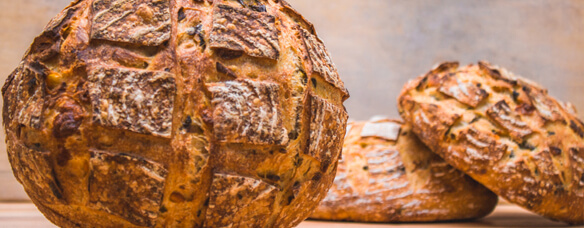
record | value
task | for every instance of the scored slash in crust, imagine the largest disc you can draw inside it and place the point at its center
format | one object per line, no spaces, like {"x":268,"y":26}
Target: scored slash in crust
{"x":236,"y":200}
{"x":240,"y":29}
{"x":161,"y":113}
{"x":143,"y":22}
{"x":326,"y":127}
{"x":258,"y":104}
{"x":135,"y":100}
{"x":140,"y":181}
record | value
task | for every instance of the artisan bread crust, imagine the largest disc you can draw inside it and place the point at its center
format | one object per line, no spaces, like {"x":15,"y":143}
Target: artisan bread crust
{"x":398,"y":179}
{"x":176,"y":113}
{"x":518,"y":141}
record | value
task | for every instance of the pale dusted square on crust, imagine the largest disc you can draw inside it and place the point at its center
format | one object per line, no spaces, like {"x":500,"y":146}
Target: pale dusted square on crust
{"x":115,"y":92}
{"x":248,"y":111}
{"x":245,"y":30}
{"x":143,"y":22}
{"x":466,"y":92}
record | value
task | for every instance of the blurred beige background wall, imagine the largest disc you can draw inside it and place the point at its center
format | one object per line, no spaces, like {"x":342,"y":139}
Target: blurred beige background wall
{"x":380,"y":44}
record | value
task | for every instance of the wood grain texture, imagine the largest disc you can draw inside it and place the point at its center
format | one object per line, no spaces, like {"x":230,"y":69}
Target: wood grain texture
{"x":21,"y":215}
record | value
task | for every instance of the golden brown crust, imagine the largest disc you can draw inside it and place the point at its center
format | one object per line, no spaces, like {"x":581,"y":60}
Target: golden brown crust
{"x":229,"y":194}
{"x":143,"y":22}
{"x":199,"y":113}
{"x":517,"y":141}
{"x":141,"y":101}
{"x":388,"y":175}
{"x":140,"y":181}
{"x":249,"y":31}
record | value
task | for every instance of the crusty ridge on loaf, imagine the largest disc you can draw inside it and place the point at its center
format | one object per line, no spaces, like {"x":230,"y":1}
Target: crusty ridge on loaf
{"x":177,"y":113}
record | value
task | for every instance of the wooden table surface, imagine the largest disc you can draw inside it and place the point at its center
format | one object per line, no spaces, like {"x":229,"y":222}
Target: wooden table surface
{"x":16,"y":215}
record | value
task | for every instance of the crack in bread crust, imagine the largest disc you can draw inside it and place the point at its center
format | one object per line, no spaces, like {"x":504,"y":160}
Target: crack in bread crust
{"x":519,"y":142}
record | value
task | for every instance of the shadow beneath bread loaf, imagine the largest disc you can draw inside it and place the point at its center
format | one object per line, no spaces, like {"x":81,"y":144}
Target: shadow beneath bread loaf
{"x":503,"y":216}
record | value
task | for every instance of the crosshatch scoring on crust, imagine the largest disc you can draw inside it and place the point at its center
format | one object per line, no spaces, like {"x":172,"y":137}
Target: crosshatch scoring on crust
{"x":144,"y":22}
{"x":171,"y":113}
{"x":236,"y":200}
{"x":140,"y":181}
{"x":327,"y":130}
{"x":134,"y":100}
{"x":247,"y":111}
{"x":240,"y":29}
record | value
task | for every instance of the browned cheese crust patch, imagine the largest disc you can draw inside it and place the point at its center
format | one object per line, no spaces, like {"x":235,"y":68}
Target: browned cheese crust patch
{"x":388,"y":175}
{"x":511,"y":136}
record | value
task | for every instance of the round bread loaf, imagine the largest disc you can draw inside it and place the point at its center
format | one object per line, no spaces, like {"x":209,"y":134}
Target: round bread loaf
{"x":175,"y":113}
{"x":388,"y":175}
{"x":505,"y":132}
